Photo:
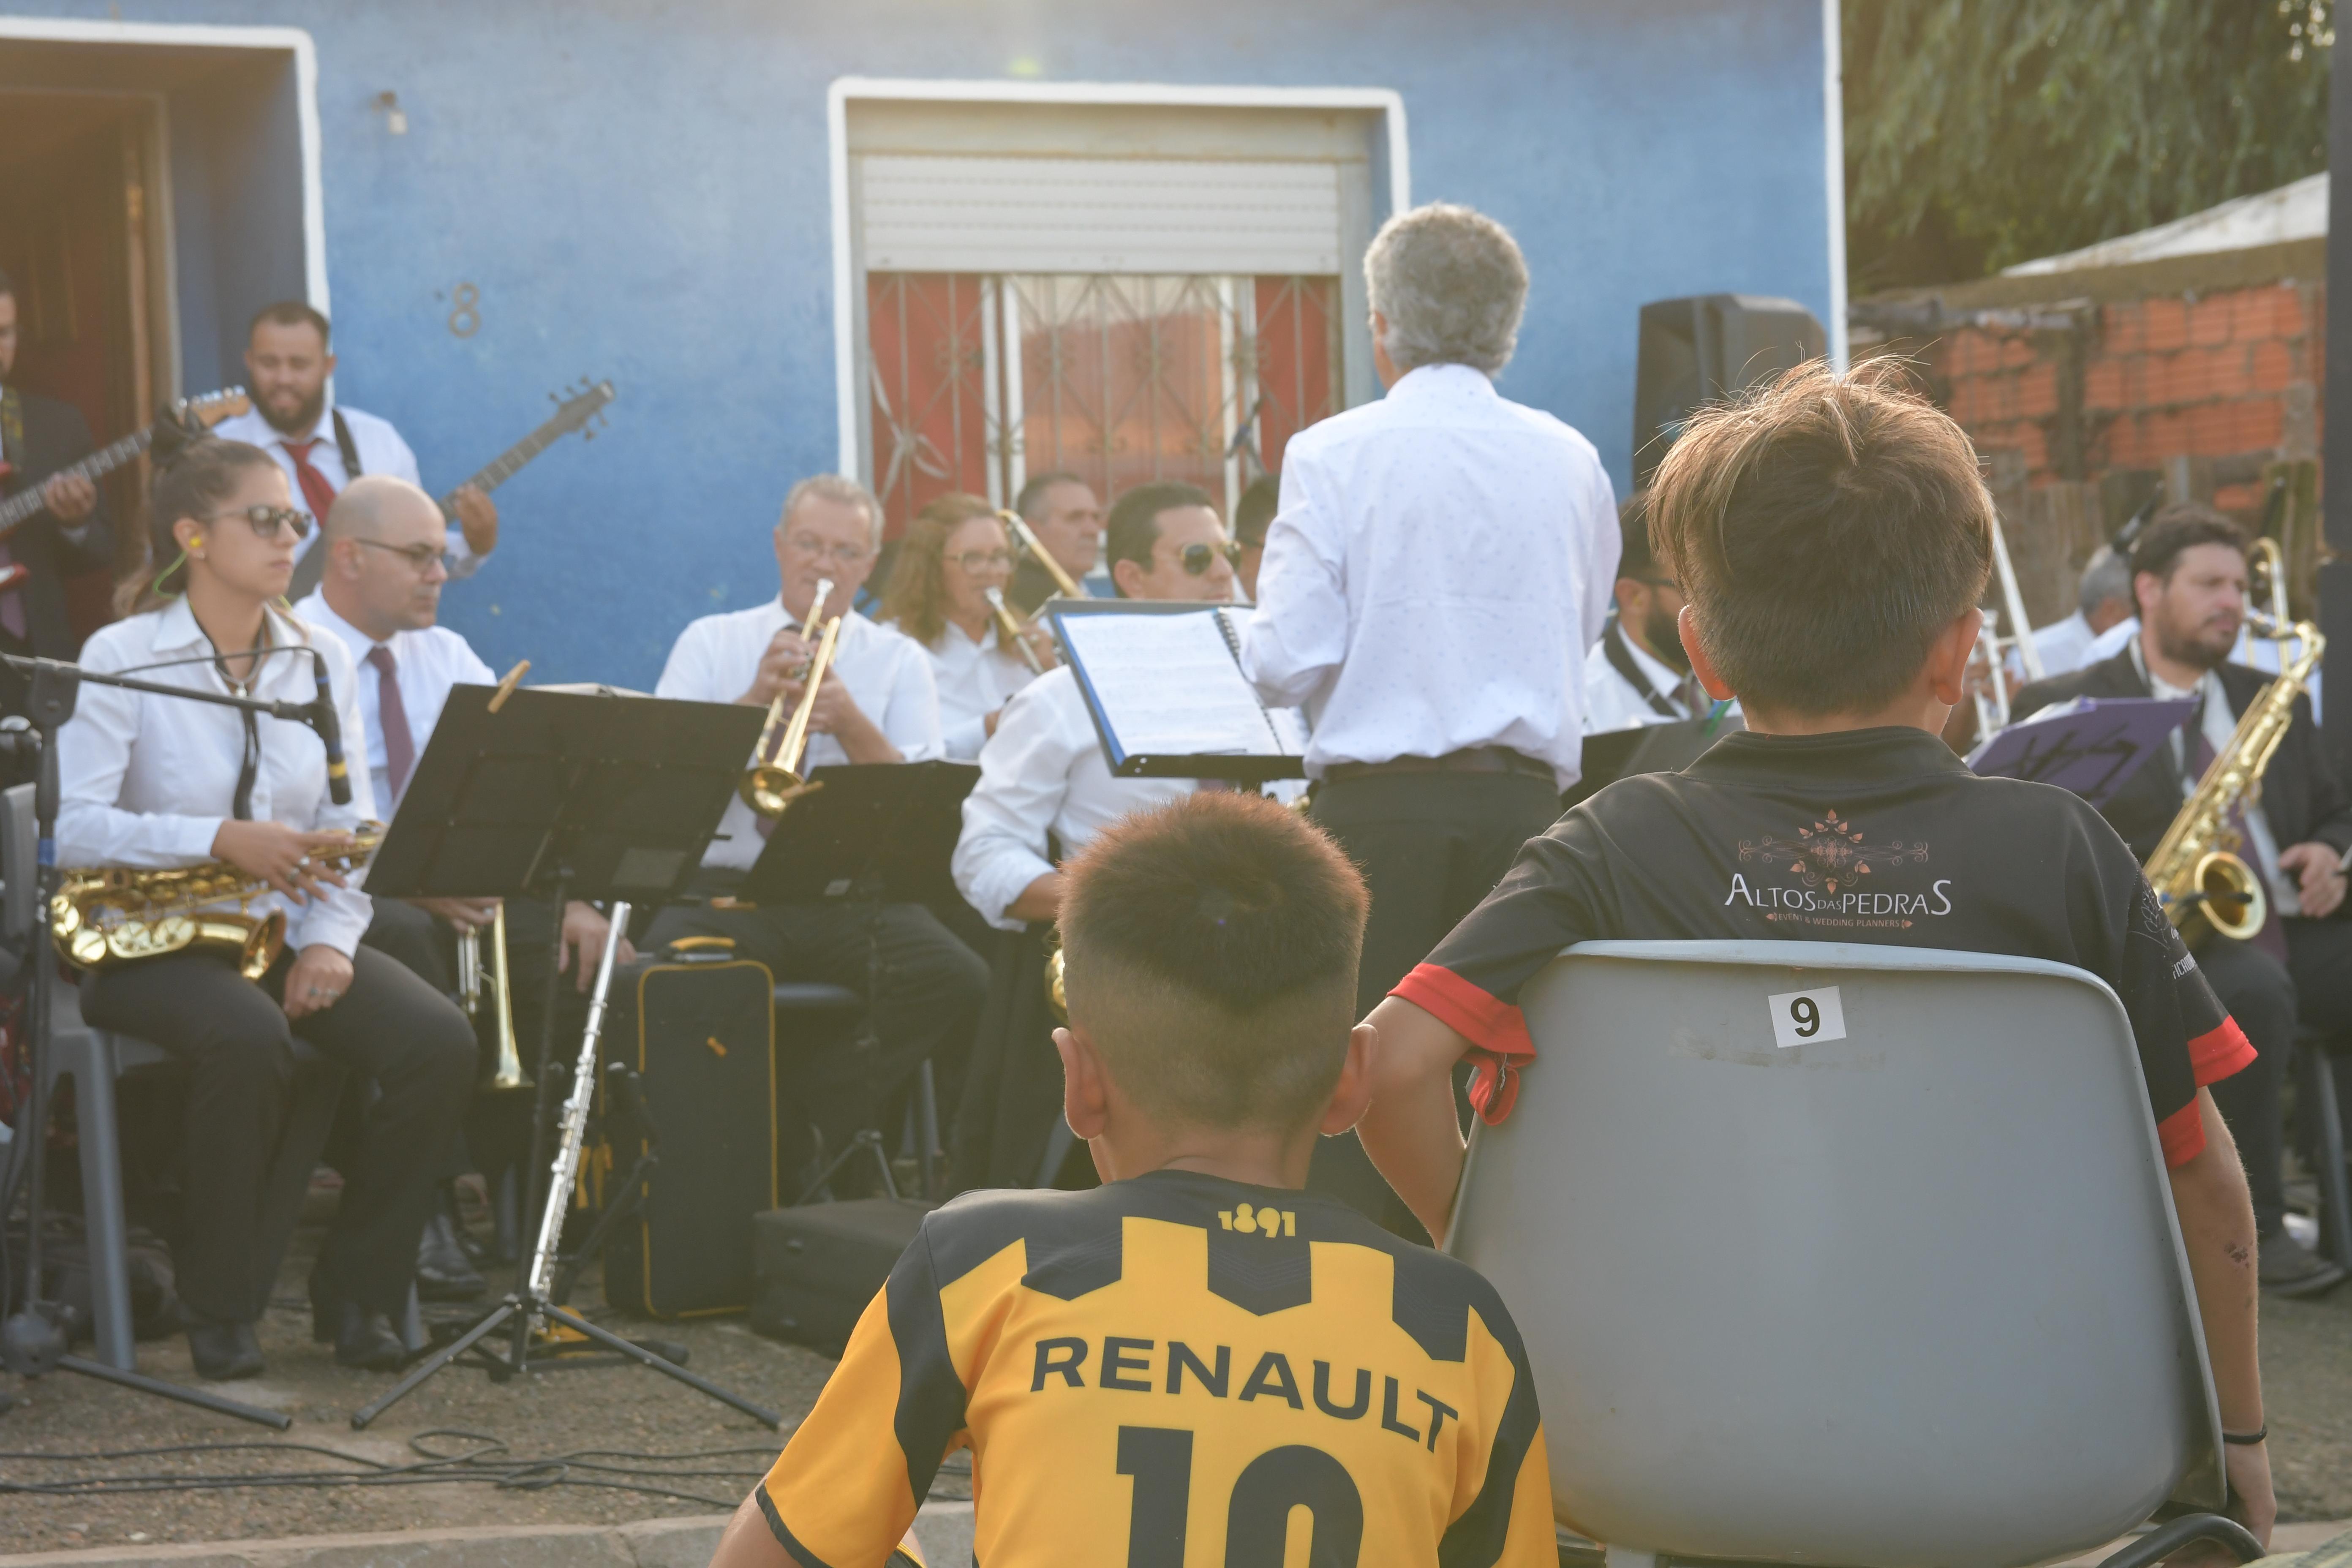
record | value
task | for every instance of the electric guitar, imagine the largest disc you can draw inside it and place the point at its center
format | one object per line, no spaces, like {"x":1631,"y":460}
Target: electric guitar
{"x":571,"y":414}
{"x":186,"y":417}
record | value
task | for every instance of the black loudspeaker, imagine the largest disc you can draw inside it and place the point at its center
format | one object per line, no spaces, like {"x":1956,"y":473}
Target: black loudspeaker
{"x":1704,"y":347}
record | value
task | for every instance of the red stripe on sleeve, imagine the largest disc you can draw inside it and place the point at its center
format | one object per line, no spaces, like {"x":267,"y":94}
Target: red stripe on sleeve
{"x":2182,"y":1134}
{"x":1497,"y":1033}
{"x":2217,"y":1053}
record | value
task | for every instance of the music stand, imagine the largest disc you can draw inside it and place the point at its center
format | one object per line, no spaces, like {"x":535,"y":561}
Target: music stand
{"x":874,"y":830}
{"x":561,"y":795}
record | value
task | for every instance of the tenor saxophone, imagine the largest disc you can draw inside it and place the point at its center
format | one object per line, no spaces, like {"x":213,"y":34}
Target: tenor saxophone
{"x":2204,"y":883}
{"x":102,"y":916}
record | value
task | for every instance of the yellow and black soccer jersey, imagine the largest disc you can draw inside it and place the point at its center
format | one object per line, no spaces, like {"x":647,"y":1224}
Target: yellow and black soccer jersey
{"x":1176,"y":1372}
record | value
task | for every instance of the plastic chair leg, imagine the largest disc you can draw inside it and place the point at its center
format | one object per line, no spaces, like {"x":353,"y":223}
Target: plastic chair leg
{"x":927,"y":1113}
{"x":2335,"y":1205}
{"x":89,"y":1054}
{"x":1058,"y":1144}
{"x":2164,"y":1541}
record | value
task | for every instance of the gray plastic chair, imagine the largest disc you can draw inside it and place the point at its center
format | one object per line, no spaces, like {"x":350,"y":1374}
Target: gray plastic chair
{"x":1842,"y":1254}
{"x":94,"y":1058}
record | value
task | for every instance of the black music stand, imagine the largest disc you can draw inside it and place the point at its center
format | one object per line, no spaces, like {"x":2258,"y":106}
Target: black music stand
{"x":561,"y":795}
{"x":873,"y":831}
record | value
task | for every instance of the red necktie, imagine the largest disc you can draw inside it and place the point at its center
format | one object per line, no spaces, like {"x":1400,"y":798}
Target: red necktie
{"x":317,"y":493}
{"x":391,"y":718}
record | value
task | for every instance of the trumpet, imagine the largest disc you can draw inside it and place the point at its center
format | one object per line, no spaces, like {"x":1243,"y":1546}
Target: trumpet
{"x":771,"y":783}
{"x":473,"y":992}
{"x":1010,"y":632}
{"x":1025,"y":540}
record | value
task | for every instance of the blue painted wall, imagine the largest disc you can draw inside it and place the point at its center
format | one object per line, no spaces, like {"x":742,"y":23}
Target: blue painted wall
{"x":637,"y":188}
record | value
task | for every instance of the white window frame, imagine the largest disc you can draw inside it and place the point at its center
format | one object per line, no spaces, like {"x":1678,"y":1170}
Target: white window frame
{"x":175,"y":34}
{"x":1383,"y":101}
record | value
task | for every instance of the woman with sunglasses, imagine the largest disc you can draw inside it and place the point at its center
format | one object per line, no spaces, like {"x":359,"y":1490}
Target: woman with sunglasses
{"x":153,"y":781}
{"x":951,"y":555}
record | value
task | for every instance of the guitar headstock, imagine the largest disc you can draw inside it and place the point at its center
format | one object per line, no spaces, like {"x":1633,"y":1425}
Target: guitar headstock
{"x":581,"y":401}
{"x":209,"y":408}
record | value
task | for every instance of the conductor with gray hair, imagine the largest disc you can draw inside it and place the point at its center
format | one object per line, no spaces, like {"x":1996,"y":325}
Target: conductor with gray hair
{"x":1439,"y":565}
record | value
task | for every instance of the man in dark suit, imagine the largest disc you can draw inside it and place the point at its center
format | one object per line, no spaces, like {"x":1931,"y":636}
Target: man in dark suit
{"x":2190,"y":580}
{"x":40,"y":437}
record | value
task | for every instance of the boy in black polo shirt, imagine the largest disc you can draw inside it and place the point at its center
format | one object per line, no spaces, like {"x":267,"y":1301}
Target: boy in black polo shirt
{"x":1832,"y":537}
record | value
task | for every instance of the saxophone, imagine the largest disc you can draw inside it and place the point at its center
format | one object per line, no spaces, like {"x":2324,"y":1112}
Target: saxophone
{"x":2205,"y":885}
{"x":106,"y":915}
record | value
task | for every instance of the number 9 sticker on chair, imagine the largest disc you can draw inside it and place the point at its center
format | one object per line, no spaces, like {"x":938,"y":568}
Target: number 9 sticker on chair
{"x":1807,"y":1017}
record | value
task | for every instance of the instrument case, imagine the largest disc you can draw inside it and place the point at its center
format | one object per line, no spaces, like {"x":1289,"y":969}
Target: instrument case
{"x":700,"y":1033}
{"x":818,"y":1265}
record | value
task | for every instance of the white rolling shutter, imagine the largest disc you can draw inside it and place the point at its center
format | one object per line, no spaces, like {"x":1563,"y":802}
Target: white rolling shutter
{"x":1022,"y":215}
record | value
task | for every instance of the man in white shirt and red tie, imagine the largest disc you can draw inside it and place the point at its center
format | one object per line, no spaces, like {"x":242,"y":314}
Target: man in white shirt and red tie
{"x":922,"y":986}
{"x":380,"y":597}
{"x":1442,"y":561}
{"x":323,"y":445}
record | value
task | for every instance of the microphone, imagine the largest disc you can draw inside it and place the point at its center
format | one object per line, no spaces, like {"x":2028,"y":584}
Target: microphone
{"x":323,"y":720}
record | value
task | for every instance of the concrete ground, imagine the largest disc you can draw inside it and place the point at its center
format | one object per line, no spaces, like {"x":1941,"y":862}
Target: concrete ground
{"x":608,"y":1415}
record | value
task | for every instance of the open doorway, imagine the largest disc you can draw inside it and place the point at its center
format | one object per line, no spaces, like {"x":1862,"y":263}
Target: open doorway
{"x":81,"y":241}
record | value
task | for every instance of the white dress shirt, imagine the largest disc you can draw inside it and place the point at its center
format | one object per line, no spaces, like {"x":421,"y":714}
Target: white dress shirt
{"x":380,"y":451}
{"x":885,"y":672}
{"x":2253,"y":652}
{"x":1612,"y":702}
{"x":1043,"y":771}
{"x":148,"y":780}
{"x":2064,"y":646}
{"x":425,"y":665}
{"x":973,"y":679}
{"x":1442,"y":561}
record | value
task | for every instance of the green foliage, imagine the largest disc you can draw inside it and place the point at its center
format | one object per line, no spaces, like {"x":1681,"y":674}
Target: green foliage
{"x":1984,"y":132}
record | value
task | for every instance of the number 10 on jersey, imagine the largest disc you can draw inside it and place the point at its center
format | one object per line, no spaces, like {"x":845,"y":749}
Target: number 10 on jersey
{"x":1257,"y":1516}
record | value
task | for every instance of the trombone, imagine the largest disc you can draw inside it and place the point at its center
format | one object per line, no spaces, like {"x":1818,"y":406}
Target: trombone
{"x":1010,"y":632}
{"x":1025,"y":540}
{"x":772,"y":782}
{"x":473,"y":991}
{"x":1993,"y":694}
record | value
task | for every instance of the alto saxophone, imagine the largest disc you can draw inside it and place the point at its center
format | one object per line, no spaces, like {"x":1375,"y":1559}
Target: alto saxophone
{"x":2205,"y":885}
{"x":102,"y":916}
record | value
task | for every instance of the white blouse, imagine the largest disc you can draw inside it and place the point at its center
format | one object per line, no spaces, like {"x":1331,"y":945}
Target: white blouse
{"x":975,"y":679}
{"x":147,"y":780}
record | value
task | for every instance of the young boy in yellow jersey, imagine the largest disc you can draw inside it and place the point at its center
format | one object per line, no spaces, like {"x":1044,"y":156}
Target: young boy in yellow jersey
{"x":1197,"y":1361}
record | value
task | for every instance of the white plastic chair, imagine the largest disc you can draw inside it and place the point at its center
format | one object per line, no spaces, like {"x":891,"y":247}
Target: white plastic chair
{"x":1846,"y":1255}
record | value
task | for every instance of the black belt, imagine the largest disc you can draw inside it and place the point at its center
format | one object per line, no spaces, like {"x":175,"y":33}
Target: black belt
{"x":1474,"y":760}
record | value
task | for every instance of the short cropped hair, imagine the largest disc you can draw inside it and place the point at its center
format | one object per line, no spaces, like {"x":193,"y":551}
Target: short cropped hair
{"x":2178,"y":529}
{"x":292,"y":313}
{"x":1133,"y":527}
{"x":1210,"y":949}
{"x":1031,"y":502}
{"x":8,"y":284}
{"x":839,"y":489}
{"x":1825,"y":527}
{"x":1253,"y":512}
{"x":2108,"y":576}
{"x":1451,"y":285}
{"x":1634,"y":558}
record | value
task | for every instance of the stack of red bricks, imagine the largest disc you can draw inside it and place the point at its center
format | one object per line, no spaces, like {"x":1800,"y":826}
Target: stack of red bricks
{"x":2233,"y":374}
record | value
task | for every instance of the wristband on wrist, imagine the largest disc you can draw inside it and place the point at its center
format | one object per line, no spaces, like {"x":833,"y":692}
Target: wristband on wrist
{"x":2248,"y":1440}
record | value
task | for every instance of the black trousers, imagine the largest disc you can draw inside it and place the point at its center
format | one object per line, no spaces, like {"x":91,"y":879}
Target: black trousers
{"x":389,"y":1026}
{"x":922,"y":986}
{"x":1430,"y":846}
{"x":2319,"y":957}
{"x":2260,"y":995}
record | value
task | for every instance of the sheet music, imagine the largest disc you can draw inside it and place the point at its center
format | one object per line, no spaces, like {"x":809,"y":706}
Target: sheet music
{"x":1167,"y":685}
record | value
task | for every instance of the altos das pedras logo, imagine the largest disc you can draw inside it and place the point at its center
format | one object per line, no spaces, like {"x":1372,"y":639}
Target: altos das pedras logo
{"x":1840,"y":879}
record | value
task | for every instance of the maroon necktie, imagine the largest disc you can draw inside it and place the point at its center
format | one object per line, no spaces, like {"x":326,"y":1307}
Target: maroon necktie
{"x":317,"y":493}
{"x":391,"y":718}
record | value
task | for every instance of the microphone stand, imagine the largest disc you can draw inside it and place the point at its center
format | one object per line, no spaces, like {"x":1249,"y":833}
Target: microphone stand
{"x":32,"y":1339}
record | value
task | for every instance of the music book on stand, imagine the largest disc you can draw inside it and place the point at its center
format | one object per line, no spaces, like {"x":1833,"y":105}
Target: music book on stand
{"x":1163,"y":683}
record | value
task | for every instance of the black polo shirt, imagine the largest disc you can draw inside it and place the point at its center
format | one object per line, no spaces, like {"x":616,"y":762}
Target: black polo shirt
{"x":1866,"y":835}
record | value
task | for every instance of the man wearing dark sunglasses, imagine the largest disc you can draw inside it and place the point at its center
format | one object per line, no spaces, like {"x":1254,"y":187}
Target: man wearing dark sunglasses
{"x":380,"y":593}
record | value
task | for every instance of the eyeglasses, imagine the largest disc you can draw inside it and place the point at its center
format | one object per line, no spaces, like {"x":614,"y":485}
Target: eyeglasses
{"x":975,"y":561}
{"x":268,"y":521}
{"x":419,"y":556}
{"x":1196,"y":557}
{"x":809,"y":544}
